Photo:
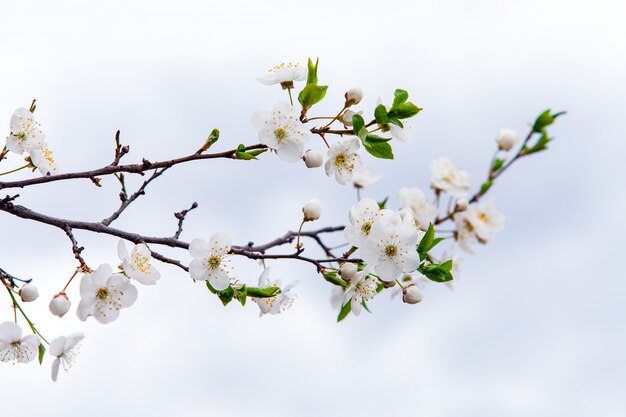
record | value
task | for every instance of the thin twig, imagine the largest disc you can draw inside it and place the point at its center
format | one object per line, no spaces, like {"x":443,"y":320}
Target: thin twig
{"x":181,"y":219}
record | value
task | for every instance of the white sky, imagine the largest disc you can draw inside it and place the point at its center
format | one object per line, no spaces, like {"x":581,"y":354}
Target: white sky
{"x":535,"y":324}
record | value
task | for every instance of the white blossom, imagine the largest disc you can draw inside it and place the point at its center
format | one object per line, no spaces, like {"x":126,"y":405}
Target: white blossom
{"x":403,"y":133}
{"x":65,"y":350}
{"x":362,"y":288}
{"x":362,"y":217}
{"x":312,"y":210}
{"x":284,"y":74}
{"x":60,"y":304}
{"x":15,"y":348}
{"x":26,"y":133}
{"x":211,"y":260}
{"x":282,"y":131}
{"x":104,"y":294}
{"x":346,"y":118}
{"x":29,"y":292}
{"x":390,"y":247}
{"x":506,"y":139}
{"x":485,"y":219}
{"x":364,"y":177}
{"x":138,"y":263}
{"x":313,"y":159}
{"x":43,"y":160}
{"x":343,"y":160}
{"x":414,"y":202}
{"x":278,"y":303}
{"x":447,"y":177}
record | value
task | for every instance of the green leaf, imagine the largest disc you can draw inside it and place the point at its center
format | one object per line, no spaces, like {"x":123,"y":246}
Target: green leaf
{"x":382,"y":204}
{"x":357,"y":123}
{"x":378,"y":147}
{"x":400,"y":97}
{"x":42,"y":351}
{"x":312,"y":71}
{"x":210,"y":287}
{"x":213,"y":137}
{"x":381,"y":116}
{"x":404,"y":111}
{"x":241,"y":153}
{"x":241,"y":294}
{"x":426,"y":242}
{"x":226,"y":296}
{"x":257,"y":292}
{"x":345,"y":310}
{"x":486,"y":186}
{"x":545,"y":119}
{"x":333,"y":278}
{"x":541,"y":144}
{"x":396,"y":122}
{"x":312,"y":94}
{"x":437,"y":273}
{"x":497,"y":164}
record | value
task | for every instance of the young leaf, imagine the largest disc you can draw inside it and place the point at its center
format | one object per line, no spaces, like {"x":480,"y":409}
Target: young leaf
{"x":226,"y":295}
{"x":42,"y":351}
{"x":312,"y":94}
{"x":382,"y":204}
{"x":497,"y":164}
{"x":378,"y":147}
{"x":381,"y":116}
{"x":240,"y":294}
{"x":404,"y":111}
{"x":357,"y":123}
{"x":486,"y":186}
{"x":257,"y":292}
{"x":544,"y":120}
{"x":437,"y":273}
{"x":400,"y":97}
{"x":312,"y":71}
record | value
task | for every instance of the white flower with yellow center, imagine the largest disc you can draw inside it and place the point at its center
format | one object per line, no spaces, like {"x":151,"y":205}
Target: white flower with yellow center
{"x":282,"y":131}
{"x":138,"y":263}
{"x":65,"y":350}
{"x":211,"y":260}
{"x":104,"y":294}
{"x":391,"y":246}
{"x":284,"y":74}
{"x":278,"y":303}
{"x":362,"y":217}
{"x":485,"y":220}
{"x":414,"y":202}
{"x":26,"y":133}
{"x":15,"y":348}
{"x":464,"y":233}
{"x":43,"y":160}
{"x":362,"y":288}
{"x":447,"y":177}
{"x":343,"y":160}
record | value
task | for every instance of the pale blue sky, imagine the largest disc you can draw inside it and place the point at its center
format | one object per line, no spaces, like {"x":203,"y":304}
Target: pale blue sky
{"x":535,"y":323}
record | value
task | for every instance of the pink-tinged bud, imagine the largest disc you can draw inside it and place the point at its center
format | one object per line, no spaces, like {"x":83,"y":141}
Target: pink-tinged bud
{"x":312,"y":210}
{"x":313,"y":159}
{"x":348,"y":271}
{"x":353,"y":96}
{"x":506,"y":139}
{"x":29,"y":293}
{"x":411,"y":294}
{"x":462,"y":204}
{"x":60,"y":304}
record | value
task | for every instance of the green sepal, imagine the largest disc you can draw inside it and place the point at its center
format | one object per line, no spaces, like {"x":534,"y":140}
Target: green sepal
{"x":345,"y":310}
{"x":42,"y":348}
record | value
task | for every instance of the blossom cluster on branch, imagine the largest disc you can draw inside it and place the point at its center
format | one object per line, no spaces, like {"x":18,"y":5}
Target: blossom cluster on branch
{"x":386,"y":249}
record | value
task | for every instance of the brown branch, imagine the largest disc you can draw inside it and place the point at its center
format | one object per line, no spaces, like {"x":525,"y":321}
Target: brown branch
{"x":181,"y":219}
{"x":76,"y":250}
{"x":145,"y":165}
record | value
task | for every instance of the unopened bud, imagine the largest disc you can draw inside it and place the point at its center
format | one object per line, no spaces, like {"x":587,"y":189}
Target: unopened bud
{"x":462,"y":204}
{"x":353,"y":96}
{"x":312,"y":210}
{"x":313,"y":159}
{"x":348,"y":271}
{"x":506,"y":139}
{"x":411,"y":294}
{"x":60,"y":304}
{"x":347,"y":117}
{"x":29,"y":293}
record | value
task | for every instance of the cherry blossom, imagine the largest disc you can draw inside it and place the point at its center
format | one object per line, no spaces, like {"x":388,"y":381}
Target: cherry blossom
{"x":362,"y":288}
{"x":282,"y":131}
{"x":284,"y":74}
{"x":65,"y":350}
{"x":26,"y":133}
{"x":43,"y":160}
{"x":211,"y":260}
{"x":363,"y":215}
{"x":138,"y":264}
{"x":343,"y":160}
{"x":278,"y":303}
{"x":447,"y":177}
{"x":414,"y":202}
{"x":15,"y":348}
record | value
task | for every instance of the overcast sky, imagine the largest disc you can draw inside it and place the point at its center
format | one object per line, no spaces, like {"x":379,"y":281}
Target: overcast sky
{"x":535,"y":324}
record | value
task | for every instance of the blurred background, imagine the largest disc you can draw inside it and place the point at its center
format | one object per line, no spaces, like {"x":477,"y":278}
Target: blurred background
{"x":535,"y":323}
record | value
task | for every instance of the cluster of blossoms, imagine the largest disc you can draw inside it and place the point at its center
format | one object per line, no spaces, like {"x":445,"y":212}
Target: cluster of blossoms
{"x":394,"y":246}
{"x":27,"y":135}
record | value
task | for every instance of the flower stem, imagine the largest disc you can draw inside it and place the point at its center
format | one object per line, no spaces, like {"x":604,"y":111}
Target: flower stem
{"x":290,"y":98}
{"x":70,"y":280}
{"x":398,"y":282}
{"x":299,"y":231}
{"x":16,"y":169}
{"x":30,"y":323}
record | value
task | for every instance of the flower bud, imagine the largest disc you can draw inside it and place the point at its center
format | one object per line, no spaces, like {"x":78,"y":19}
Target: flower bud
{"x":347,"y":117}
{"x":28,"y":293}
{"x":462,"y":204}
{"x":348,"y":271}
{"x":60,"y":304}
{"x":506,"y":139}
{"x":411,"y":294}
{"x":312,"y":210}
{"x":354,"y":96}
{"x":313,"y":159}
